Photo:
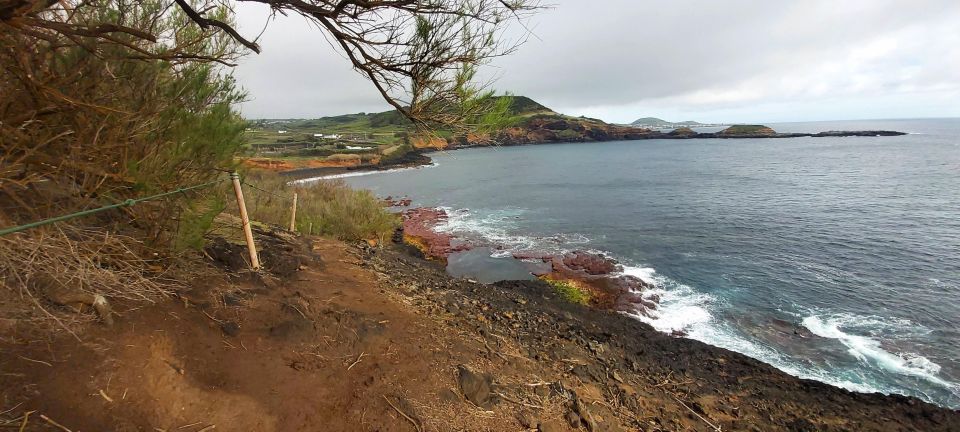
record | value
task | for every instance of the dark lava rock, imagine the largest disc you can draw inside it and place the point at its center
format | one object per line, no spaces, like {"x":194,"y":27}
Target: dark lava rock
{"x":228,"y":255}
{"x":477,"y":388}
{"x":230,"y":328}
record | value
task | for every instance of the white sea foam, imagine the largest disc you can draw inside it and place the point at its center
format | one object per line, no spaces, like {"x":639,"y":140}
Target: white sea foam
{"x":869,"y":351}
{"x":681,"y":308}
{"x":498,"y":228}
{"x":359,"y":173}
{"x":684,"y":308}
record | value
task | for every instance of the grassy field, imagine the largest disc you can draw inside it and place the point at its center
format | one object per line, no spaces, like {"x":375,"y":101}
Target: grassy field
{"x":384,"y":133}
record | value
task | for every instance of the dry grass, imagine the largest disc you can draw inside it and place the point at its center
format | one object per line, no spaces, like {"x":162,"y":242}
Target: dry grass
{"x":41,"y":268}
{"x":331,"y":208}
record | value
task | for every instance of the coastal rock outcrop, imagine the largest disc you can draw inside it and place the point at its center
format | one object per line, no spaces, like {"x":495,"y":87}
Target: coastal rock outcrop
{"x":746,"y":131}
{"x":601,"y":275}
{"x":543,"y":129}
{"x":418,"y":231}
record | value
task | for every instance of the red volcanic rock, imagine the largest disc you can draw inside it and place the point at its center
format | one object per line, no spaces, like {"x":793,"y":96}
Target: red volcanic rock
{"x":418,"y":230}
{"x":610,"y":290}
{"x":399,"y":202}
{"x":593,"y":264}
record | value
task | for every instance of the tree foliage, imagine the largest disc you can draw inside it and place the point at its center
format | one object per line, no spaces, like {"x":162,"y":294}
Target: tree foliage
{"x":109,"y":99}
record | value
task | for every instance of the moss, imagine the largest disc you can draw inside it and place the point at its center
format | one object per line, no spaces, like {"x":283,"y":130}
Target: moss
{"x":571,"y":291}
{"x":418,"y":243}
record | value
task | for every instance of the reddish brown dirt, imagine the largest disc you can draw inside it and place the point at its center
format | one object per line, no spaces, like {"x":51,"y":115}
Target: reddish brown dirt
{"x":319,"y":353}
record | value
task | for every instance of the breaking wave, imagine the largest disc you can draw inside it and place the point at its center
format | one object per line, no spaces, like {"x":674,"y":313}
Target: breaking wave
{"x":698,"y":315}
{"x":359,"y":173}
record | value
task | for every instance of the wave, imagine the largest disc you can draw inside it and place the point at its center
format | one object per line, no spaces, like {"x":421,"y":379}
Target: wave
{"x":499,"y":228}
{"x":359,"y":173}
{"x":695,"y":313}
{"x":870,"y":351}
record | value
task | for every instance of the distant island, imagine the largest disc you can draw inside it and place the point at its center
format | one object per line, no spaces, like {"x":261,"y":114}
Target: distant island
{"x":657,"y":123}
{"x":387,"y":139}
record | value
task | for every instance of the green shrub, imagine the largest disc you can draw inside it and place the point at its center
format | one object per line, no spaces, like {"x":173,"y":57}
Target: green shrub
{"x":570,"y":291}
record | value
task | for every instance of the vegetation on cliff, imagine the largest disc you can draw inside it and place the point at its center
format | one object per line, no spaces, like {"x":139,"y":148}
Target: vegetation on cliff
{"x":103,"y":102}
{"x":748,"y":130}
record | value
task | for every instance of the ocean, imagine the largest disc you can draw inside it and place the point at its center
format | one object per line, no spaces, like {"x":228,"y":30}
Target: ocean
{"x":834,"y":259}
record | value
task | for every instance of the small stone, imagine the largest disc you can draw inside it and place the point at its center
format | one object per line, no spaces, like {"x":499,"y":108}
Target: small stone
{"x":616,"y":376}
{"x":476,"y":388}
{"x":573,"y":419}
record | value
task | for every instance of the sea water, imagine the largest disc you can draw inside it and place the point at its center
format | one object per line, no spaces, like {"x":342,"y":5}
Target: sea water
{"x":836,"y":259}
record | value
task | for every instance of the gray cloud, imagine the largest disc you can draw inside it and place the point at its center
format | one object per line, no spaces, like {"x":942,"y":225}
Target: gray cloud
{"x":717,"y":61}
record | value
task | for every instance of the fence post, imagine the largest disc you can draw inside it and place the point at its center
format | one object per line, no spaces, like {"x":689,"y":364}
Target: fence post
{"x":247,"y":233}
{"x":310,"y":229}
{"x":293,"y":213}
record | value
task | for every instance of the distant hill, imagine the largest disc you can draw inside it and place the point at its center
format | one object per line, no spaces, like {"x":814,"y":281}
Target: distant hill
{"x":521,"y":105}
{"x":657,"y":123}
{"x":531,"y":122}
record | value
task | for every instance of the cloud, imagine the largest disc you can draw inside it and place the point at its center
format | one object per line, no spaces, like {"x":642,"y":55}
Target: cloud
{"x":622,"y":59}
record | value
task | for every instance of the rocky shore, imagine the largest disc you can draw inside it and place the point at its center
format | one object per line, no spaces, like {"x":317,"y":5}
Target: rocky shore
{"x":556,"y":130}
{"x":619,"y":374}
{"x":349,"y":337}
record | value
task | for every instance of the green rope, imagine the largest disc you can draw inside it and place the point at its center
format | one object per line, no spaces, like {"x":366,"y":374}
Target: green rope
{"x":126,"y":203}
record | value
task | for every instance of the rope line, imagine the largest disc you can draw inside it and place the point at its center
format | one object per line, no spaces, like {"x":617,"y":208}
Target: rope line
{"x":252,"y":186}
{"x":125,"y":203}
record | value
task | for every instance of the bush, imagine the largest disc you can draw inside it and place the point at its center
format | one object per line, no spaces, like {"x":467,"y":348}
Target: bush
{"x":331,"y":207}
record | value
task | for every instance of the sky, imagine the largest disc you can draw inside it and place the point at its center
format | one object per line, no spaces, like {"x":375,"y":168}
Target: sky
{"x":619,"y":60}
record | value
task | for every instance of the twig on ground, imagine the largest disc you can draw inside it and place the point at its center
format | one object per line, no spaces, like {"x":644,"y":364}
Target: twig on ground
{"x":26,"y":417}
{"x":211,"y":317}
{"x":189,"y":425}
{"x":492,"y":351}
{"x":105,"y":396}
{"x":49,"y":420}
{"x":716,"y":428}
{"x":415,"y":423}
{"x":62,"y":325}
{"x":11,"y":409}
{"x":360,"y":357}
{"x":211,"y":427}
{"x":35,"y":361}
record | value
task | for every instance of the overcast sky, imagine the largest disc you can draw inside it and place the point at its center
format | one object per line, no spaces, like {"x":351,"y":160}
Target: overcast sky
{"x":714,"y":61}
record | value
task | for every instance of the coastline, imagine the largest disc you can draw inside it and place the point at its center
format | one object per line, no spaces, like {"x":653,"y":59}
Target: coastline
{"x":338,"y":336}
{"x":419,"y":157}
{"x":620,"y":357}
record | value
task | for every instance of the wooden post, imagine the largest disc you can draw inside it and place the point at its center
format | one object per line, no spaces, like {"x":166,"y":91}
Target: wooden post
{"x":293,"y":213}
{"x":310,"y":229}
{"x":247,"y":233}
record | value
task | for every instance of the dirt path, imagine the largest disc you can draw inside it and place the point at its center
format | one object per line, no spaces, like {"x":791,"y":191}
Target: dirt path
{"x":387,"y":342}
{"x":323,"y":352}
